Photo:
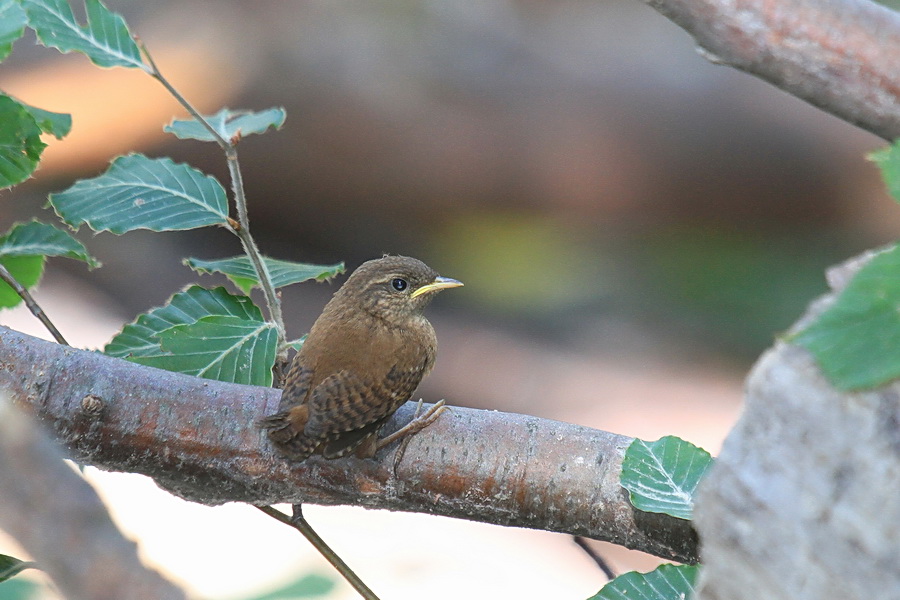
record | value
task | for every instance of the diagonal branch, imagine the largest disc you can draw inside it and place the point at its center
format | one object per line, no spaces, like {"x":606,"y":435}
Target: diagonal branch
{"x":838,"y":55}
{"x":62,"y":522}
{"x":196,"y":438}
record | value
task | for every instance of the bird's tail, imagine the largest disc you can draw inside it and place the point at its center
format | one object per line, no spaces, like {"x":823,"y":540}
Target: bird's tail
{"x":290,"y":442}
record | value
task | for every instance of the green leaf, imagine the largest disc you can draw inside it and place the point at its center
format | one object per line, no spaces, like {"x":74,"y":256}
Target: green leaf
{"x":10,"y":567}
{"x":57,"y":124}
{"x":227,"y":124}
{"x":223,"y":348}
{"x":139,"y":341}
{"x":307,"y":586}
{"x":27,"y":270}
{"x":21,"y":589}
{"x":888,"y":160}
{"x":12,"y":25}
{"x":662,"y":476}
{"x":20,"y":143}
{"x":41,"y":239}
{"x":105,"y":38}
{"x":856,"y":341}
{"x":137,"y":192}
{"x":298,"y":343}
{"x":209,"y":333}
{"x":240,"y":270}
{"x":666,"y":582}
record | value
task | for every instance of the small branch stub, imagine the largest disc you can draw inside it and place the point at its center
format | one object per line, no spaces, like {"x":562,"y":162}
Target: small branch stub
{"x":92,"y":405}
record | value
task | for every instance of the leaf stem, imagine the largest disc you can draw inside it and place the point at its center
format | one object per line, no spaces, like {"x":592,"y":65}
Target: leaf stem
{"x":242,"y":230}
{"x":252,"y":250}
{"x":299,"y":522}
{"x":157,"y":74}
{"x":33,"y":306}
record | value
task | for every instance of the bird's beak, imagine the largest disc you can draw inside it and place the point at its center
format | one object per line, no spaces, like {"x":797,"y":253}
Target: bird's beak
{"x":438,"y":284}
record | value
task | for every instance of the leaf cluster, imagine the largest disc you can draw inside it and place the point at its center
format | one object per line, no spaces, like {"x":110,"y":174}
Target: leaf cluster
{"x":660,"y":477}
{"x":856,"y":340}
{"x":213,"y":333}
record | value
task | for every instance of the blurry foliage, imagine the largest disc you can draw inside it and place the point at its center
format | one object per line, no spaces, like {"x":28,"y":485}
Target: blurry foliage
{"x":520,"y":263}
{"x":731,"y":287}
{"x":311,"y":585}
{"x":856,"y":340}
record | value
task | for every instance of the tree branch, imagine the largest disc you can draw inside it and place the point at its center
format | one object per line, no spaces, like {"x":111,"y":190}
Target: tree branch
{"x":60,"y":520}
{"x":197,"y":439}
{"x":838,"y":55}
{"x":802,"y":502}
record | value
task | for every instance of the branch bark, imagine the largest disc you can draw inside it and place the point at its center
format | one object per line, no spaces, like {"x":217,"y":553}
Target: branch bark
{"x":196,"y":438}
{"x":802,"y":502}
{"x":838,"y":55}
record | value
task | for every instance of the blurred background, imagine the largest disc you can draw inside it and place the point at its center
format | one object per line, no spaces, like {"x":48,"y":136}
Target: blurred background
{"x":634,"y":225}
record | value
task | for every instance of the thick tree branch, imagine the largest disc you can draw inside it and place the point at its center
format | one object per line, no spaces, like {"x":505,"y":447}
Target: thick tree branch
{"x":802,"y":502}
{"x":197,"y":439}
{"x":839,"y":55}
{"x":59,"y":519}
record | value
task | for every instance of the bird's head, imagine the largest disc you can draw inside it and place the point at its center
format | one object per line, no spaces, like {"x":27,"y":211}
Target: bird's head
{"x":394,"y":287}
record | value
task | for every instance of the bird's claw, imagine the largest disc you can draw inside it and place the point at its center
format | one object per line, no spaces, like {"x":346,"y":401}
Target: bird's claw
{"x":417,"y":424}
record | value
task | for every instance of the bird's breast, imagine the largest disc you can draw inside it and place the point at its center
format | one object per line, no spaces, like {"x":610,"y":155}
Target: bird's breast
{"x":369,"y":348}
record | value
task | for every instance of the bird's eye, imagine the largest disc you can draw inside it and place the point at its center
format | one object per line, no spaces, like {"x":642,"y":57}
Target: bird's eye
{"x":399,"y":284}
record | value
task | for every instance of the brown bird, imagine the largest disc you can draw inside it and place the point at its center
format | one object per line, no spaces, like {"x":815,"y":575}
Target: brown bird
{"x":364,"y":357}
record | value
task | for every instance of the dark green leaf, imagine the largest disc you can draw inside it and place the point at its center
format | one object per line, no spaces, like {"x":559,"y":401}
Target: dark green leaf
{"x":20,"y":143}
{"x":240,"y":270}
{"x":888,"y":160}
{"x":10,"y":567}
{"x":308,"y":586}
{"x":139,"y":341}
{"x":224,"y":348}
{"x":662,"y":476}
{"x":26,"y":270}
{"x":12,"y":25}
{"x":57,"y":124}
{"x":856,"y":341}
{"x":41,"y":239}
{"x":105,"y":38}
{"x":137,"y":192}
{"x":666,"y":582}
{"x":227,"y":124}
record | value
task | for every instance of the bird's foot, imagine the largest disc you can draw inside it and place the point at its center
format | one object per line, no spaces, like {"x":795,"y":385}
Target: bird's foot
{"x":418,"y":423}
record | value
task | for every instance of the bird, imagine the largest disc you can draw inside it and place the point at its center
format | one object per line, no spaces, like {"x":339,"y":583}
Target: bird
{"x":362,"y":360}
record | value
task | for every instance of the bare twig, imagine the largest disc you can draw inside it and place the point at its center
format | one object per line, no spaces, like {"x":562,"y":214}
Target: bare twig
{"x":242,"y":228}
{"x":299,"y":522}
{"x":488,"y":466}
{"x":33,"y":306}
{"x":582,"y":543}
{"x":839,"y":55}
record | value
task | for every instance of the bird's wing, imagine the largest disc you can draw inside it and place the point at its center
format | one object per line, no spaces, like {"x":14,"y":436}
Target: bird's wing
{"x":296,"y":386}
{"x":344,"y":402}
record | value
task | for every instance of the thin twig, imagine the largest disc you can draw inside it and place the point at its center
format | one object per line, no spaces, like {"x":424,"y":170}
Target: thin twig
{"x":33,"y":306}
{"x":601,"y":562}
{"x":299,"y":522}
{"x":157,"y":74}
{"x":250,"y":247}
{"x":240,"y":201}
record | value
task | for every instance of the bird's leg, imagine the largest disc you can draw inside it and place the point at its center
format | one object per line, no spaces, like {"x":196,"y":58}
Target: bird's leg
{"x":418,"y":423}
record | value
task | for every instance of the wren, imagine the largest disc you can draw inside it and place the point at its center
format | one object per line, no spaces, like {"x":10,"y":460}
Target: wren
{"x":362,"y":360}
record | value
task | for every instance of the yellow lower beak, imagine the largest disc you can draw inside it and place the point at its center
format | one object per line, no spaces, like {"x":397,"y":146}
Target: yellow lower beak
{"x":439,"y":283}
